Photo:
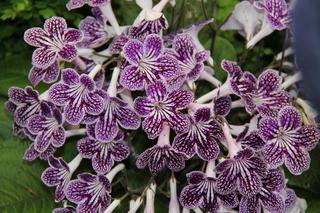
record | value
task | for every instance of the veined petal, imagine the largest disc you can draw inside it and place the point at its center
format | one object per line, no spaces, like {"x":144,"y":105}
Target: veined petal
{"x":34,"y":36}
{"x":153,"y":125}
{"x":249,"y":205}
{"x":271,"y":201}
{"x":74,"y":112}
{"x":297,"y":161}
{"x":226,"y":183}
{"x":87,"y":147}
{"x":250,"y":184}
{"x":131,"y":78}
{"x":75,"y":191}
{"x":308,"y":137}
{"x":68,"y":52}
{"x":190,"y":197}
{"x":168,"y":66}
{"x":274,"y":180}
{"x":290,"y":118}
{"x":180,"y":99}
{"x":70,"y":76}
{"x":208,"y":148}
{"x":175,"y":160}
{"x":94,"y":104}
{"x":43,"y":57}
{"x":143,"y":106}
{"x":73,"y":4}
{"x":195,"y":177}
{"x":157,"y":91}
{"x":55,"y":26}
{"x":51,"y":177}
{"x":127,"y":118}
{"x":73,"y":35}
{"x":153,"y":45}
{"x":269,"y":81}
{"x":102,"y":161}
{"x":106,"y":127}
{"x":59,"y":94}
{"x":36,"y":124}
{"x":185,"y":143}
{"x":229,"y":200}
{"x":17,"y":95}
{"x":274,"y":155}
{"x":202,"y":114}
{"x":222,"y":105}
{"x":59,"y":137}
{"x":269,"y":128}
{"x":119,"y":151}
{"x":178,"y":121}
{"x":133,"y":51}
{"x":42,"y":141}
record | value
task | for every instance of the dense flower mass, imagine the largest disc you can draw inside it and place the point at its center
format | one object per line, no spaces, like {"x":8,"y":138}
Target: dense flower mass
{"x":107,"y":80}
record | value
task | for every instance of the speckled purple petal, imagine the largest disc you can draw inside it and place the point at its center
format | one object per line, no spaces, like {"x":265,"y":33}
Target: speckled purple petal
{"x":157,"y":161}
{"x":51,"y":176}
{"x":17,"y":95}
{"x":153,"y":45}
{"x":195,"y":177}
{"x":274,"y":180}
{"x":70,"y":76}
{"x":73,"y":4}
{"x":180,"y":99}
{"x":59,"y":94}
{"x":127,"y":118}
{"x":42,"y":141}
{"x":59,"y":137}
{"x":175,"y":160}
{"x":208,"y":149}
{"x":190,"y":197}
{"x":222,"y":105}
{"x":143,"y":106}
{"x":202,"y":56}
{"x":289,"y":118}
{"x":76,"y":190}
{"x":55,"y":26}
{"x":43,"y":57}
{"x":274,"y":155}
{"x":167,"y":66}
{"x":290,"y":200}
{"x":229,"y":201}
{"x":143,"y":158}
{"x":269,"y":81}
{"x":253,"y":140}
{"x":184,"y":46}
{"x":195,"y":72}
{"x":297,"y":161}
{"x":309,"y":137}
{"x":133,"y":51}
{"x":30,"y":154}
{"x":250,"y":184}
{"x":33,"y":36}
{"x":47,"y":75}
{"x":131,"y":78}
{"x":73,"y":35}
{"x":36,"y":124}
{"x":249,"y":205}
{"x":74,"y":112}
{"x":106,"y":128}
{"x":269,"y":128}
{"x":87,"y":147}
{"x":226,"y":183}
{"x":94,"y":104}
{"x":157,"y":91}
{"x":185,"y":143}
{"x":68,"y":52}
{"x":153,"y":126}
{"x":179,"y":122}
{"x":202,"y":114}
{"x":272,"y":202}
{"x":102,"y":162}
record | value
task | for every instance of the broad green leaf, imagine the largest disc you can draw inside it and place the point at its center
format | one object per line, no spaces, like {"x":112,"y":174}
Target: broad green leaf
{"x":314,"y":206}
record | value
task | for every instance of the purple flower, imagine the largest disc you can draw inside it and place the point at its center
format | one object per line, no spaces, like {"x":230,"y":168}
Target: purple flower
{"x":90,"y":192}
{"x":48,"y":128}
{"x":78,"y":96}
{"x":54,"y":42}
{"x":58,"y":175}
{"x":115,"y":112}
{"x":68,"y":209}
{"x":288,"y":141}
{"x":47,"y":75}
{"x":276,"y":12}
{"x":73,"y":4}
{"x":94,"y":30}
{"x":162,"y":155}
{"x":251,"y":140}
{"x":162,"y":106}
{"x":189,"y":59}
{"x":264,"y":95}
{"x":222,"y":105}
{"x":147,"y":63}
{"x":103,"y":154}
{"x":158,"y":157}
{"x":242,"y":172}
{"x":201,"y":193}
{"x":26,"y":103}
{"x":31,"y":153}
{"x":269,"y":196}
{"x":201,"y":137}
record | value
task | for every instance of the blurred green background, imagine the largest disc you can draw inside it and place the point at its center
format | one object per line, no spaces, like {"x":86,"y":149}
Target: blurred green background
{"x":21,"y":189}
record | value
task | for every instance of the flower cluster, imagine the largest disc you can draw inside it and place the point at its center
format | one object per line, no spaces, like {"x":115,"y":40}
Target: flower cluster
{"x":152,"y":85}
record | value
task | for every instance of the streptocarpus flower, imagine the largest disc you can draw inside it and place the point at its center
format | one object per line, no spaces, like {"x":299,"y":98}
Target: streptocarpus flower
{"x":201,"y":137}
{"x":222,"y":106}
{"x":288,"y":142}
{"x":264,"y":95}
{"x":77,"y":94}
{"x":103,"y":154}
{"x":162,"y":155}
{"x":94,"y":30}
{"x":201,"y":193}
{"x":68,"y":209}
{"x":90,"y":192}
{"x":252,"y":140}
{"x":31,"y":153}
{"x":189,"y":59}
{"x":59,"y":174}
{"x":147,"y":63}
{"x":26,"y":103}
{"x":162,"y":106}
{"x":47,"y":75}
{"x":48,"y":128}
{"x":73,"y":4}
{"x":269,"y":196}
{"x":53,"y":43}
{"x":243,"y":172}
{"x":115,"y":112}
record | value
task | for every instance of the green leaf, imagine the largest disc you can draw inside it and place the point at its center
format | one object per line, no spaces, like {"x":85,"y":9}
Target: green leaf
{"x":223,"y":49}
{"x":314,"y":206}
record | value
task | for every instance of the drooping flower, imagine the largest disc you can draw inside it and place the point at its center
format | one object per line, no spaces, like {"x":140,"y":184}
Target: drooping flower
{"x":59,"y":174}
{"x":47,"y":75}
{"x":269,"y":196}
{"x":147,"y":63}
{"x":287,"y":141}
{"x":201,"y":137}
{"x":103,"y":154}
{"x":189,"y":59}
{"x":95,"y":30}
{"x":201,"y":193}
{"x":26,"y":103}
{"x":243,"y":172}
{"x":115,"y":112}
{"x":245,"y":18}
{"x":162,"y":155}
{"x":56,"y":41}
{"x":48,"y":128}
{"x":90,"y":192}
{"x":77,"y":94}
{"x":263,"y":94}
{"x":162,"y":106}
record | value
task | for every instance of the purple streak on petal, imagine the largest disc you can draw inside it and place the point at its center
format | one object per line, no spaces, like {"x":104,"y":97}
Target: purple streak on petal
{"x":274,"y":180}
{"x":68,"y":52}
{"x":290,"y":200}
{"x":269,"y":128}
{"x":190,"y":197}
{"x":73,"y":35}
{"x":42,"y":141}
{"x":94,"y":104}
{"x":58,"y":137}
{"x":74,"y":112}
{"x":195,"y":177}
{"x":51,"y":177}
{"x":43,"y":57}
{"x":229,"y":201}
{"x":31,"y":154}
{"x":157,"y":91}
{"x":180,"y":99}
{"x":131,"y":78}
{"x":175,"y":160}
{"x":289,"y":118}
{"x":309,"y":137}
{"x":33,"y":36}
{"x":269,"y":81}
{"x":102,"y":162}
{"x":274,"y":155}
{"x":143,"y":159}
{"x":55,"y":26}
{"x":76,"y":190}
{"x":153,"y":45}
{"x":297,"y":161}
{"x":143,"y":106}
{"x":249,"y":205}
{"x":36,"y":124}
{"x":106,"y":128}
{"x":133,"y":51}
{"x":226,"y":183}
{"x":88,"y":82}
{"x":250,"y":184}
{"x":167,"y":66}
{"x":253,"y":140}
{"x":208,"y":150}
{"x":202,"y":56}
{"x":59,"y":94}
{"x":17,"y":95}
{"x":87,"y":147}
{"x":222,"y":105}
{"x":179,"y":122}
{"x":202,"y":114}
{"x":272,"y":202}
{"x":70,"y":76}
{"x":127,"y":118}
{"x":185,"y":143}
{"x":152,"y":126}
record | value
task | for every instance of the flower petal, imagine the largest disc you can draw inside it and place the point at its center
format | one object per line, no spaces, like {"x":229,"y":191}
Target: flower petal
{"x":127,"y":118}
{"x":195,"y":177}
{"x":59,"y":94}
{"x":59,"y":137}
{"x":249,"y":184}
{"x":309,"y":137}
{"x":106,"y":127}
{"x":175,"y":160}
{"x":190,"y":197}
{"x":76,"y":191}
{"x":153,"y":45}
{"x":290,"y":118}
{"x":43,"y":57}
{"x":68,"y":53}
{"x":153,"y":126}
{"x":133,"y":51}
{"x":269,"y":81}
{"x":51,"y":73}
{"x":143,"y":106}
{"x":34,"y":36}
{"x":157,"y":161}
{"x":167,"y":66}
{"x":297,"y":161}
{"x":268,"y":128}
{"x":70,"y":76}
{"x":179,"y":122}
{"x":74,"y":112}
{"x":119,"y":151}
{"x":249,"y":205}
{"x":73,"y":35}
{"x":202,"y":114}
{"x":185,"y":143}
{"x":208,"y":148}
{"x":42,"y":141}
{"x":144,"y":157}
{"x":87,"y":147}
{"x":157,"y":91}
{"x":274,"y":155}
{"x":274,"y":180}
{"x":102,"y":161}
{"x":94,"y":104}
{"x":180,"y":99}
{"x":73,"y":4}
{"x":131,"y":78}
{"x":229,"y":201}
{"x":30,"y":154}
{"x":55,"y":26}
{"x":51,"y":176}
{"x":226,"y":183}
{"x":222,"y":105}
{"x":17,"y":95}
{"x":36,"y":124}
{"x":271,"y":201}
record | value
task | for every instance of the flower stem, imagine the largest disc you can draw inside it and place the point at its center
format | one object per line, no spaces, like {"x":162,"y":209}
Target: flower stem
{"x":109,"y":14}
{"x":164,"y":137}
{"x":95,"y":71}
{"x":115,"y":203}
{"x":266,"y":30}
{"x":237,"y":104}
{"x":73,"y":132}
{"x":151,"y":193}
{"x":127,"y":97}
{"x":210,"y":78}
{"x":221,"y":91}
{"x":114,"y":171}
{"x":73,"y":165}
{"x":233,"y":147}
{"x":210,"y":169}
{"x":80,"y":63}
{"x":174,"y":204}
{"x":135,"y":204}
{"x":291,"y":80}
{"x":112,"y":90}
{"x":160,"y":6}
